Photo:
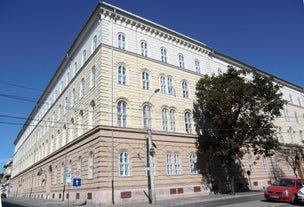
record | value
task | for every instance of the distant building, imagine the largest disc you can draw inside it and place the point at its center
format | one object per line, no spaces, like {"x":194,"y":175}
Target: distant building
{"x":6,"y":177}
{"x":124,"y":79}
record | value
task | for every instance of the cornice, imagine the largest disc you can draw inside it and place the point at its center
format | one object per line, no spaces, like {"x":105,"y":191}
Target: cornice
{"x":136,"y":23}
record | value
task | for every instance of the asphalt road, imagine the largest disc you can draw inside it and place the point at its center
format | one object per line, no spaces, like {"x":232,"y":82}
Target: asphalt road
{"x":246,"y":201}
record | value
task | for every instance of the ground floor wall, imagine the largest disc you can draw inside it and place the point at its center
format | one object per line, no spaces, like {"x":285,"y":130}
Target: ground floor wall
{"x":111,"y":164}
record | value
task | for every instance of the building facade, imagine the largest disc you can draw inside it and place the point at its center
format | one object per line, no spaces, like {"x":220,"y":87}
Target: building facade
{"x":6,"y":177}
{"x":124,"y":80}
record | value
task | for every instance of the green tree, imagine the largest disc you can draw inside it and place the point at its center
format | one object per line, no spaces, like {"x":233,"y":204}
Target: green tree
{"x":235,"y":116}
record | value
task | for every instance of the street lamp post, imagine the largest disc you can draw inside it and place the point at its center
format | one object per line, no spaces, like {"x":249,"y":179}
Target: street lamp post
{"x":150,"y":158}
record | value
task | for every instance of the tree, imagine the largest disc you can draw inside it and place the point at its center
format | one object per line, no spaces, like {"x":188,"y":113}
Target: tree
{"x":235,"y":116}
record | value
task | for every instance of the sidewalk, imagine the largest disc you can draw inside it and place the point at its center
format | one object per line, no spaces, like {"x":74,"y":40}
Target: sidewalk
{"x":160,"y":203}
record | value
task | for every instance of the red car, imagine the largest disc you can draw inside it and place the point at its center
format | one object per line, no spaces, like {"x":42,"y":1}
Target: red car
{"x":284,"y":189}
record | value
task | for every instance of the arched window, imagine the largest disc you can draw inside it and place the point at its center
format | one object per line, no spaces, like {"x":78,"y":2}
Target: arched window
{"x":84,"y":56}
{"x":181,"y":61}
{"x":122,"y":114}
{"x":144,"y":48}
{"x":197,"y":66}
{"x":73,"y":97}
{"x":93,"y":114}
{"x":172,"y":120}
{"x":93,"y":77}
{"x":145,"y":80}
{"x":124,"y":164}
{"x":91,"y":165}
{"x":94,"y":43}
{"x":251,"y":164}
{"x":193,"y":163}
{"x":81,"y":122}
{"x":82,"y":88}
{"x":165,"y":119}
{"x":122,"y":74}
{"x":147,"y":116}
{"x":185,"y":89}
{"x":177,"y":164}
{"x":121,"y":41}
{"x":163,"y":84}
{"x":170,"y":86}
{"x":188,"y":124}
{"x":163,"y":55}
{"x":79,"y":166}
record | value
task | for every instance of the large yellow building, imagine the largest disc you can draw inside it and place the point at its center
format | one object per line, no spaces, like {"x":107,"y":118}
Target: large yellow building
{"x":123,"y":81}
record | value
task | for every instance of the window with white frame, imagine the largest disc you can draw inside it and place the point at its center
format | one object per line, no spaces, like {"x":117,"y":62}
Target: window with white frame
{"x":264,"y":162}
{"x":82,"y":88}
{"x":169,"y":164}
{"x":147,"y":116}
{"x":73,"y":98}
{"x":122,"y":74}
{"x":93,"y":77}
{"x":84,"y":57}
{"x":193,"y":164}
{"x":188,"y":123}
{"x":144,"y":48}
{"x":296,"y":117}
{"x":91,"y":165}
{"x":286,"y":115}
{"x":172,"y":120}
{"x":181,"y":61}
{"x":81,"y":122}
{"x":162,"y":84}
{"x":197,"y":66}
{"x":93,"y":114}
{"x":219,"y":71}
{"x":185,"y":89}
{"x":250,"y":163}
{"x":75,"y":68}
{"x":170,"y":86}
{"x":121,"y":41}
{"x":163,"y":55}
{"x":94,"y":43}
{"x":291,"y":135}
{"x":124,"y":164}
{"x":66,"y":105}
{"x":122,"y":114}
{"x":165,"y":119}
{"x":145,"y":80}
{"x":177,"y":164}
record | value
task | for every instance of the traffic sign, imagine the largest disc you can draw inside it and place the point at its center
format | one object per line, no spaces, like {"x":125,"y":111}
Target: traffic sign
{"x":68,"y":177}
{"x":77,"y":174}
{"x":76,"y":182}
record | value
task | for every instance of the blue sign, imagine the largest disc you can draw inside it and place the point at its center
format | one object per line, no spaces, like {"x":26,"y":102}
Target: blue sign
{"x":76,"y":182}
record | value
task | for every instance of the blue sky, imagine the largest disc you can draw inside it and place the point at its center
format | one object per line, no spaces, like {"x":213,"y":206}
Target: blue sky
{"x":36,"y":34}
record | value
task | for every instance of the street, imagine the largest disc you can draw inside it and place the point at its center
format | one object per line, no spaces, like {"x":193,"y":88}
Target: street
{"x":255,"y":200}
